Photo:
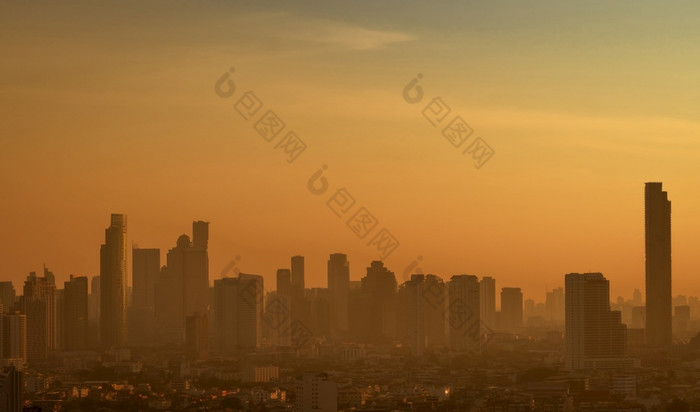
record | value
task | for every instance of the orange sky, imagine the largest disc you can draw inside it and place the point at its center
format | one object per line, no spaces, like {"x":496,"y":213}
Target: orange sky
{"x":110,"y":108}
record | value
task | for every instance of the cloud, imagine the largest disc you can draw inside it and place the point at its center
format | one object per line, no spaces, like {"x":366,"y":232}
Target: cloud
{"x":355,"y":37}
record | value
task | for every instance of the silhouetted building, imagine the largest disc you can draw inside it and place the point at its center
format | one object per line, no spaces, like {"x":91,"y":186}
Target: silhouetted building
{"x":555,"y":305}
{"x":38,"y":302}
{"x":7,"y":297}
{"x":657,"y":219}
{"x":197,"y":336}
{"x":145,"y":270}
{"x":278,"y":310}
{"x":94,"y":312}
{"x":238,"y":311}
{"x":320,"y":304}
{"x":487,"y":299}
{"x":75,"y":313}
{"x":681,"y":320}
{"x":511,"y":310}
{"x":595,"y":336}
{"x":113,"y":282}
{"x":379,"y":290}
{"x":411,"y":314}
{"x":339,"y":289}
{"x":463,"y":310}
{"x":11,"y":390}
{"x":13,"y":337}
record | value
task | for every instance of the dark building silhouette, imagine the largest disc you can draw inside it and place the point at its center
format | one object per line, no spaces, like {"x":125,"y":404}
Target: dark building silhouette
{"x":463,"y":312}
{"x":11,"y":390}
{"x":197,"y":336}
{"x":238,"y":312}
{"x":145,"y":270}
{"x":13,"y":338}
{"x":487,"y":287}
{"x":379,"y":293}
{"x":7,"y":297}
{"x":75,"y":313}
{"x":657,"y":224}
{"x":113,"y":282}
{"x":596,"y":338}
{"x":278,"y":310}
{"x":339,"y":290}
{"x":511,"y":310}
{"x":38,"y":302}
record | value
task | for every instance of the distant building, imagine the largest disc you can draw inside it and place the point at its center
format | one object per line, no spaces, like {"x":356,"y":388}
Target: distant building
{"x":339,"y":289}
{"x":487,"y":301}
{"x":379,"y":297}
{"x":260,"y":374}
{"x":13,"y":339}
{"x":511,"y":310}
{"x":113,"y":282}
{"x":463,"y":311}
{"x":7,"y":297}
{"x":197,"y":337}
{"x":38,"y":302}
{"x":11,"y":390}
{"x":278,"y":310}
{"x":75,"y":313}
{"x":238,"y":312}
{"x":316,"y":392}
{"x":595,"y":336}
{"x":657,"y":224}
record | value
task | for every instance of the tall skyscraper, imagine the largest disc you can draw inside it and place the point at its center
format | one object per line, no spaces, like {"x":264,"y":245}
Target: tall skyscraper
{"x":511,"y":309}
{"x":657,"y":224}
{"x":7,"y":297}
{"x":298,"y":272}
{"x":555,"y":305}
{"x":38,"y":302}
{"x":145,"y":267}
{"x":14,"y":339}
{"x":464,"y":307}
{"x":94,"y":312}
{"x":595,"y":335}
{"x":238,"y":312}
{"x":197,"y":336}
{"x":339,"y":288}
{"x":379,"y":291}
{"x":278,"y":311}
{"x":487,"y":288}
{"x":75,"y":313}
{"x":113,"y":282}
{"x":411,"y":314}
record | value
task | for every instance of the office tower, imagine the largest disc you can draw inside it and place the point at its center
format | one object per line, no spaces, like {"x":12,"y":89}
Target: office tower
{"x":184,"y":280}
{"x":238,"y":312}
{"x":411,"y":314}
{"x":320,"y":314}
{"x":595,"y":336}
{"x":278,"y":313}
{"x":637,"y":298}
{"x":379,"y":288}
{"x":463,"y":312}
{"x":528,"y":310}
{"x":14,"y":338}
{"x":197,"y":336}
{"x":339,"y":288}
{"x":657,"y":225}
{"x":681,"y":320}
{"x":94,"y":313}
{"x":113,"y":282}
{"x":298,"y":272}
{"x":144,"y":270}
{"x":75,"y":313}
{"x":316,"y":392}
{"x":487,"y":298}
{"x":639,"y":316}
{"x":11,"y":389}
{"x":435,"y":307}
{"x":554,"y":303}
{"x":39,"y":304}
{"x":511,"y":310}
{"x":7,"y":297}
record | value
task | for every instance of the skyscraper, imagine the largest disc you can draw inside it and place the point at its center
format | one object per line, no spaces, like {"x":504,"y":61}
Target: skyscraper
{"x":113,"y":282}
{"x":75,"y":313}
{"x":487,"y":288}
{"x":14,"y":339}
{"x":298,"y":272}
{"x":411,"y":314}
{"x":11,"y":389}
{"x":238,"y":311}
{"x":657,"y":224}
{"x":145,"y":270}
{"x":464,"y":307}
{"x":511,"y":309}
{"x":339,"y":288}
{"x":7,"y":297}
{"x":278,"y":311}
{"x":38,"y":302}
{"x":379,"y":290}
{"x":595,"y":335}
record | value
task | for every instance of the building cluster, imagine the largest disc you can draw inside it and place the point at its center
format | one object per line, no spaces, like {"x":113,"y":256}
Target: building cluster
{"x":236,"y":330}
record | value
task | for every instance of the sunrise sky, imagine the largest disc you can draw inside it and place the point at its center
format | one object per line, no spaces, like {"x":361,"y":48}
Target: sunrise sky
{"x":109,"y":107}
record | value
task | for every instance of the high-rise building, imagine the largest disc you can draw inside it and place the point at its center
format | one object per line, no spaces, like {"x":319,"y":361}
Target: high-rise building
{"x":238,"y":312}
{"x":411,"y":314}
{"x":299,"y":305}
{"x":595,"y":335}
{"x":113,"y":282}
{"x":14,"y":339}
{"x":298,"y":272}
{"x":464,"y":307}
{"x":278,"y":312}
{"x":75,"y":313}
{"x":555,"y":305}
{"x":184,"y":280}
{"x":339,"y":288}
{"x":94,"y":312}
{"x":197,"y":336}
{"x":11,"y":390}
{"x":487,"y":298}
{"x":657,"y":224}
{"x":38,"y":302}
{"x":316,"y":392}
{"x":144,"y":271}
{"x":511,"y":310}
{"x":7,"y":297}
{"x":379,"y":291}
